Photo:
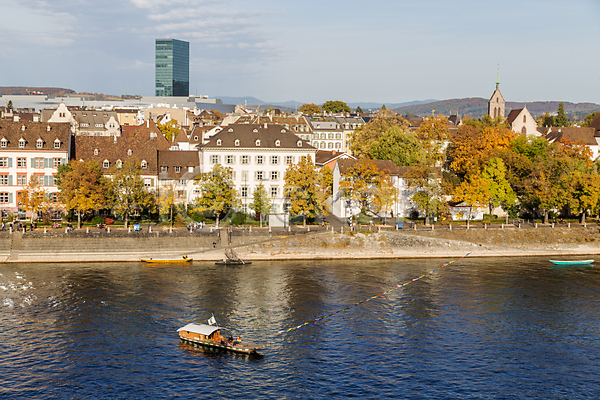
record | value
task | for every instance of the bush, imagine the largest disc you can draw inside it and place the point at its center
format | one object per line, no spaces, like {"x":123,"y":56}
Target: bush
{"x":239,"y":218}
{"x":98,"y":219}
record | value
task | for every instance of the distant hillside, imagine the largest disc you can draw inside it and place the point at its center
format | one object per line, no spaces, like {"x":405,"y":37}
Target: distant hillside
{"x":25,"y":90}
{"x":476,"y":107}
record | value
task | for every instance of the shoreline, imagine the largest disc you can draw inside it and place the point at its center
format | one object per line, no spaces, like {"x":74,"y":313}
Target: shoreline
{"x":306,"y":245}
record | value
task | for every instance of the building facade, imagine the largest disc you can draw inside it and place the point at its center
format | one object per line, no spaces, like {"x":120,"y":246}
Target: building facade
{"x":172,"y":67}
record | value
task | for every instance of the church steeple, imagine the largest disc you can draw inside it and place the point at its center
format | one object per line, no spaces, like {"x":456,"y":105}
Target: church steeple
{"x":496,"y":104}
{"x":498,"y":78}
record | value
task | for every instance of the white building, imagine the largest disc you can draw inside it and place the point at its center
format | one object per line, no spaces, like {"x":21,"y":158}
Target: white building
{"x":30,"y":149}
{"x":521,"y":121}
{"x":257,"y":154}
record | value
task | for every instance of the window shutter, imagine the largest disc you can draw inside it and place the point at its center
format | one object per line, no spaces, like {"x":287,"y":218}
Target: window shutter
{"x":52,"y":180}
{"x":45,"y":162}
{"x":9,"y":162}
{"x":45,"y":180}
{"x":152,"y":182}
{"x":10,"y":197}
{"x":32,"y":162}
{"x":10,"y":181}
{"x":64,"y":161}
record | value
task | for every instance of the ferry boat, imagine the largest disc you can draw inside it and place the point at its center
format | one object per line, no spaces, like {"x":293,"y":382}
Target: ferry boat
{"x":210,"y":336}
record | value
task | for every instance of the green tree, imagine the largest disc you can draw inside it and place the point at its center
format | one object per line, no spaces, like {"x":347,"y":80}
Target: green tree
{"x":590,"y":118}
{"x":561,"y":118}
{"x":309,"y":109}
{"x":366,"y":135}
{"x":358,"y":110}
{"x":218,"y":191}
{"x":304,"y":188}
{"x":336,"y":106}
{"x":126,"y":191}
{"x":499,"y":189}
{"x":400,"y":146}
{"x":585,"y":193}
{"x":10,"y":105}
{"x":261,"y":204}
{"x":82,"y":187}
{"x":170,"y":129}
{"x":426,"y":182}
{"x":546,"y":120}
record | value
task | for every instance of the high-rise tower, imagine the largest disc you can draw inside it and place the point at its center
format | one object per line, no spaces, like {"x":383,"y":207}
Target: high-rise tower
{"x":172,"y":68}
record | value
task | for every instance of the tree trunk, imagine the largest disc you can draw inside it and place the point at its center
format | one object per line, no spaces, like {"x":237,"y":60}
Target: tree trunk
{"x":583,"y":216}
{"x":304,"y":219}
{"x":469,"y":217}
{"x":126,"y":215}
{"x":217,"y":221}
{"x":171,"y":210}
{"x":427,"y":219}
{"x":78,"y":219}
{"x":546,"y":213}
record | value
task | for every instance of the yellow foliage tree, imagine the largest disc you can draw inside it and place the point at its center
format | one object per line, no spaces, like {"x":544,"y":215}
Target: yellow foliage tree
{"x":304,"y":188}
{"x":473,"y":191}
{"x":34,"y":198}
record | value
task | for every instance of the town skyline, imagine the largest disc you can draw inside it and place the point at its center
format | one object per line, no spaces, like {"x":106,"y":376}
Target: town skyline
{"x":389,"y":52}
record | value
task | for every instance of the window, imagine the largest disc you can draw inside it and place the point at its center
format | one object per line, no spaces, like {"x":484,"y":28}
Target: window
{"x":177,"y":170}
{"x":245,"y":159}
{"x":3,"y":143}
{"x":56,"y":162}
{"x":4,"y":197}
{"x":38,"y":162}
{"x":338,"y":145}
{"x":21,"y":143}
{"x":4,"y":161}
{"x":214,"y":159}
{"x":4,"y":180}
{"x":244,"y":192}
{"x":289,"y":160}
{"x":147,"y":182}
{"x":21,"y":162}
{"x":57,"y":144}
{"x":119,"y":163}
{"x":129,"y":152}
{"x":21,"y":179}
{"x":524,"y":130}
{"x":299,"y":143}
{"x":338,"y":136}
{"x":274,"y":160}
{"x":330,"y":145}
{"x":259,"y":159}
{"x":229,"y":159}
{"x":524,"y":119}
{"x":274,"y":175}
{"x":237,"y":142}
{"x":274,"y":191}
{"x":99,"y":125}
{"x":144,"y":164}
{"x":39,"y":144}
{"x":277,"y":143}
{"x":257,"y":142}
{"x":163,"y":168}
{"x":219,"y":141}
{"x":95,"y":152}
{"x":259,"y":175}
{"x":330,"y":136}
{"x":106,"y":164}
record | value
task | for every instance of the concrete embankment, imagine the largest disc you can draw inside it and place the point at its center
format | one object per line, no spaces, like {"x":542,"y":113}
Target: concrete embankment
{"x":260,"y":244}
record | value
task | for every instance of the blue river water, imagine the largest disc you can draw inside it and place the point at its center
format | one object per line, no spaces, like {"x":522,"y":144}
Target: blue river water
{"x":501,"y":328}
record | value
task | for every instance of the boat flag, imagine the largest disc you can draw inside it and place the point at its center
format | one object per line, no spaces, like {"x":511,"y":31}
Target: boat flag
{"x":212,"y":320}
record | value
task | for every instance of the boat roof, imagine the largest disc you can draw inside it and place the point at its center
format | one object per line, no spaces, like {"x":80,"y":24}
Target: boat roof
{"x":201,"y":329}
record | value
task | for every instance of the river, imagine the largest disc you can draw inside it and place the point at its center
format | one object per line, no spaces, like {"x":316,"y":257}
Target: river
{"x":478,"y":328}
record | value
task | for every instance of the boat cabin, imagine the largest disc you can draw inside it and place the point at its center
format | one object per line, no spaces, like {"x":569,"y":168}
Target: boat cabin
{"x":200,"y":332}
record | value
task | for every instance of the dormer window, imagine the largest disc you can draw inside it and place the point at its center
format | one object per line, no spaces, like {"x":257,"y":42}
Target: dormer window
{"x":237,"y":142}
{"x":3,"y":142}
{"x":277,"y":143}
{"x":177,"y":170}
{"x":283,"y":131}
{"x":106,"y":164}
{"x":144,"y":164}
{"x":21,"y":143}
{"x":57,"y":144}
{"x":119,"y":163}
{"x":23,"y":128}
{"x":129,"y":152}
{"x":299,"y":143}
{"x":219,"y":142}
{"x":230,"y":130}
{"x":196,"y":138}
{"x":257,"y":142}
{"x":95,"y":152}
{"x":48,"y":128}
{"x":39,"y":143}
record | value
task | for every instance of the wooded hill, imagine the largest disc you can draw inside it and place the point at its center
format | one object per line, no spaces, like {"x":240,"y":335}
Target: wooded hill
{"x":476,"y":107}
{"x":25,"y":90}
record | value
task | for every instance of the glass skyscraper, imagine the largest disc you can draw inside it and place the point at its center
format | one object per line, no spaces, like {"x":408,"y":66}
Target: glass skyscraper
{"x":172,"y":67}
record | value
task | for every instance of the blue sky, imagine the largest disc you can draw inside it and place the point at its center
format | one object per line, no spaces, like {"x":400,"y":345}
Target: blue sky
{"x":311,"y":51}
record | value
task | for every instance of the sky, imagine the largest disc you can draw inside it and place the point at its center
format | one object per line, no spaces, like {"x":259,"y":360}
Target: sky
{"x":386,"y":51}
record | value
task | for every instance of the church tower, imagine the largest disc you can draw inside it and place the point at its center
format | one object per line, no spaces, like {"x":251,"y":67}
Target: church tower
{"x":496,"y":104}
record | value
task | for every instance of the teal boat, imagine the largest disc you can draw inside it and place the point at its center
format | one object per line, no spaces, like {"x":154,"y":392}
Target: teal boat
{"x":572,"y":262}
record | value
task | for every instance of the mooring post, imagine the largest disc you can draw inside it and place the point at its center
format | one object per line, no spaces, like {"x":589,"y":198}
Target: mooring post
{"x":307,"y":228}
{"x":342,"y":229}
{"x":569,"y":225}
{"x":44,"y":230}
{"x":128,"y":229}
{"x":432,"y":227}
{"x":536,"y":224}
{"x":449,"y":226}
{"x":87,"y":229}
{"x":108,"y":229}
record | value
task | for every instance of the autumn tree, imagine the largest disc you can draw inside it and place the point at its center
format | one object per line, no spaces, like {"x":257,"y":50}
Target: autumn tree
{"x":170,"y":129}
{"x":304,"y":189}
{"x":126,"y":191}
{"x":336,"y":106}
{"x":218,"y":191}
{"x":473,"y":192}
{"x":400,"y":146}
{"x":309,"y":109}
{"x":82,"y":187}
{"x":360,"y":182}
{"x":590,"y":118}
{"x":585,"y":193}
{"x":433,"y":135}
{"x":217,"y":114}
{"x":385,"y":195}
{"x":261,"y":204}
{"x":34,"y":197}
{"x":167,"y":199}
